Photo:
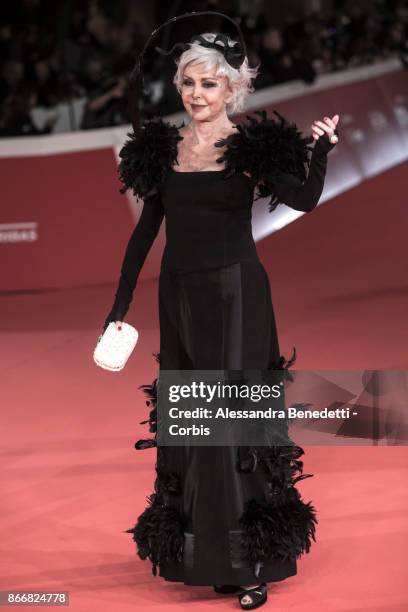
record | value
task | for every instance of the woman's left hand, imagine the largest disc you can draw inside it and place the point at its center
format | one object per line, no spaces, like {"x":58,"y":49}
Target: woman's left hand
{"x":327,"y":125}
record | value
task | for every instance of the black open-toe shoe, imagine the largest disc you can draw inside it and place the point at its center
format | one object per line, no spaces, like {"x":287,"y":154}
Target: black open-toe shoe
{"x":258,"y":597}
{"x":226,"y":588}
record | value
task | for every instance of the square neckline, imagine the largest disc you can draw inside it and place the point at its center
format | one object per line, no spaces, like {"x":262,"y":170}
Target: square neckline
{"x":196,"y":171}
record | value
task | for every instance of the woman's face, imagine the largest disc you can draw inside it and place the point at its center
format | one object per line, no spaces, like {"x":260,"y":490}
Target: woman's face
{"x":204,"y":94}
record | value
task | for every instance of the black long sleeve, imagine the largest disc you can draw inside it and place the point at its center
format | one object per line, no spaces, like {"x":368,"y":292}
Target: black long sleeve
{"x":136,"y":252}
{"x":306,"y":197}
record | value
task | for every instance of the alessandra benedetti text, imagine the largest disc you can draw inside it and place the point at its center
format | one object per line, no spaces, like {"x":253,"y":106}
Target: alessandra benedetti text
{"x":291,"y":412}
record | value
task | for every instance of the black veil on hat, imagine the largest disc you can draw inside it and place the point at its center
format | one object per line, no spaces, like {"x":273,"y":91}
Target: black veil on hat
{"x":234,"y":55}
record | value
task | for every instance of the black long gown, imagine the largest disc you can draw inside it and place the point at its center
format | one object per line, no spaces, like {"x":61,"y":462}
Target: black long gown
{"x":217,"y":515}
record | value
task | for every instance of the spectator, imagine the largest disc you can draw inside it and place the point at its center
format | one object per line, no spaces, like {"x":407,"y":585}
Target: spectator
{"x":12,"y":76}
{"x":15,"y":118}
{"x":106,"y":105}
{"x":276,"y":62}
{"x":46,"y":83}
{"x":55,"y":56}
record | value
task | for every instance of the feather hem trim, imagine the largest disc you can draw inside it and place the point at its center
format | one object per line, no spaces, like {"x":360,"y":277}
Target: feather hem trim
{"x":283,"y":532}
{"x":159,"y":533}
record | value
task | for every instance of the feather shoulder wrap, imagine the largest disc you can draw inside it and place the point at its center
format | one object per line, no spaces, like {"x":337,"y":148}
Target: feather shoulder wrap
{"x":272,"y":151}
{"x":146,"y":158}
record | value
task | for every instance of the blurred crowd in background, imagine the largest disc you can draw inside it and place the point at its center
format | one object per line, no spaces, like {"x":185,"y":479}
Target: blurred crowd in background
{"x":55,"y":52}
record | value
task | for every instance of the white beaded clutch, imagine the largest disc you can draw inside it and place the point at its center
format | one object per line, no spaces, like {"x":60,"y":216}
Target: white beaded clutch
{"x":115,"y":346}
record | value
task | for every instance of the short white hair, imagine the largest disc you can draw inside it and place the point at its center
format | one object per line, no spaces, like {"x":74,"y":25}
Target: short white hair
{"x":239,"y":79}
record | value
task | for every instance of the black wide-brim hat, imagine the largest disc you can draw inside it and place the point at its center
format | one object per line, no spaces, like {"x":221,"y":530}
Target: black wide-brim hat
{"x":209,"y":21}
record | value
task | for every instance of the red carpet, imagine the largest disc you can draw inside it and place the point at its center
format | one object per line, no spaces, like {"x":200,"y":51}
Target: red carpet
{"x":72,"y":482}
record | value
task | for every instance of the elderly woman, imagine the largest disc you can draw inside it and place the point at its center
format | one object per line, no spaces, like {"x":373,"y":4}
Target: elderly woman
{"x":225,"y":516}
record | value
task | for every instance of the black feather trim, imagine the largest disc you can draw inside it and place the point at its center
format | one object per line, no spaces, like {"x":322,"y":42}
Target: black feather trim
{"x":280,"y":463}
{"x":157,"y":357}
{"x":248,"y":456}
{"x":167,"y":481}
{"x":146,"y":158}
{"x":159,"y":533}
{"x":282,"y":525}
{"x":283,"y":532}
{"x":159,"y":530}
{"x":151,"y":391}
{"x":283,"y":469}
{"x":269,"y":150}
{"x":284,"y":364}
{"x":273,"y":152}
